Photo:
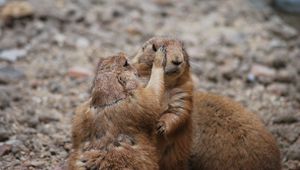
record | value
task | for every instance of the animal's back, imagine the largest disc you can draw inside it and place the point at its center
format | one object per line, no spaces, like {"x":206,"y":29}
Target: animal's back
{"x":226,"y":136}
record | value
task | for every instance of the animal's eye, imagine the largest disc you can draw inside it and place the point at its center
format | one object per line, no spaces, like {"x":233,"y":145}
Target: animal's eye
{"x":126,"y":64}
{"x":154,"y":47}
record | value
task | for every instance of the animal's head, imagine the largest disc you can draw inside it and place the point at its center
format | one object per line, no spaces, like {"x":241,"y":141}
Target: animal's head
{"x":114,"y":80}
{"x":177,"y":57}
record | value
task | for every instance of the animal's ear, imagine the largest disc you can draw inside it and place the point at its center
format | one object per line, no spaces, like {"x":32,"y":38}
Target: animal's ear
{"x":106,"y":90}
{"x":121,"y":60}
{"x":154,"y":48}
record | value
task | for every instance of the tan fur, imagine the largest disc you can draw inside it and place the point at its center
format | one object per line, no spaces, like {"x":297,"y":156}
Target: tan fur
{"x":226,"y":136}
{"x":114,"y":130}
{"x":174,"y":127}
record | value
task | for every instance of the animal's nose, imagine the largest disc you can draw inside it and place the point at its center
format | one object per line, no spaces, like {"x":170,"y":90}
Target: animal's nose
{"x":176,"y":62}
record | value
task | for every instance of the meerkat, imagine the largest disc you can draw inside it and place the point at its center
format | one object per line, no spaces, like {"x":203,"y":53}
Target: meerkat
{"x":114,"y":128}
{"x":174,"y":127}
{"x":227,"y":136}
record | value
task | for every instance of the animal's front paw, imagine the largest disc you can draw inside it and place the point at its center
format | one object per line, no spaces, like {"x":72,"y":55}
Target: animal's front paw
{"x":166,"y":124}
{"x":160,"y":59}
{"x":89,"y":160}
{"x":161,"y":128}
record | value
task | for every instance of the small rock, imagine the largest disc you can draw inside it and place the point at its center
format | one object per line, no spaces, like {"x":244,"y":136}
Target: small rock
{"x":284,"y":31}
{"x":233,"y":38}
{"x":228,"y":68}
{"x":30,"y":120}
{"x":82,"y":42}
{"x":163,"y":2}
{"x":275,"y":43}
{"x":62,"y":166}
{"x":4,"y":135}
{"x":284,"y":76}
{"x":17,"y":145}
{"x":17,"y":9}
{"x":4,"y":99}
{"x":278,"y":89}
{"x":46,"y":118}
{"x":59,"y":39}
{"x":289,"y":133}
{"x":251,"y":78}
{"x":55,"y":87}
{"x":279,"y":62}
{"x":36,"y":163}
{"x":10,"y":74}
{"x":134,"y":30}
{"x":79,"y":72}
{"x":2,"y":2}
{"x":286,"y":119}
{"x":5,"y":149}
{"x":294,"y":151}
{"x":290,"y":6}
{"x":12,"y":54}
{"x":263,"y":73}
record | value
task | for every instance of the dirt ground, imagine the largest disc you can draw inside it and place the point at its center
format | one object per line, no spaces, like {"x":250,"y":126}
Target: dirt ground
{"x":48,"y":50}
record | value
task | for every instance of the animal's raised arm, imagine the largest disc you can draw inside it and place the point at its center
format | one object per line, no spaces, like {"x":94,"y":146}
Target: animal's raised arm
{"x":152,"y":94}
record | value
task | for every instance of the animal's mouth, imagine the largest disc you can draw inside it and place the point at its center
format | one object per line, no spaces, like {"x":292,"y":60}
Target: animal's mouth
{"x":110,"y":104}
{"x":172,"y":71}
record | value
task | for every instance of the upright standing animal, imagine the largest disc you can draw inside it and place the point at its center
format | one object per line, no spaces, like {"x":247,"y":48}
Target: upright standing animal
{"x":114,"y":130}
{"x":174,"y":127}
{"x":225,"y":135}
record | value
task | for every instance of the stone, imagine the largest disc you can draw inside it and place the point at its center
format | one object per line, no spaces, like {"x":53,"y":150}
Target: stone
{"x":12,"y":54}
{"x":134,"y":30}
{"x":10,"y":74}
{"x":79,"y":72}
{"x":16,"y":9}
{"x":284,"y":31}
{"x":17,"y":145}
{"x":53,"y":86}
{"x":285,"y":76}
{"x":264,"y":74}
{"x":163,"y":2}
{"x":82,"y":42}
{"x":278,"y":89}
{"x":286,"y":119}
{"x":228,"y":68}
{"x":46,"y":118}
{"x":4,"y":99}
{"x":291,"y":6}
{"x":294,"y":151}
{"x":5,"y":149}
{"x":251,"y":78}
{"x":289,"y":133}
{"x":2,"y":2}
{"x":4,"y":135}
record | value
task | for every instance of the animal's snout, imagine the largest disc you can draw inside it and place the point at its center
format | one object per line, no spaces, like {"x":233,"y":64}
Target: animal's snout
{"x":176,"y":62}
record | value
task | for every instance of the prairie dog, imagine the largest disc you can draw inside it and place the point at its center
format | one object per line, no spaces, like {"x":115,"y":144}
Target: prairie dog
{"x":113,"y":130}
{"x":174,"y":127}
{"x":227,"y":136}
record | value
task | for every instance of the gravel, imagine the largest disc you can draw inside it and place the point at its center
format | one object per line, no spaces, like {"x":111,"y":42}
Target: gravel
{"x":240,"y":49}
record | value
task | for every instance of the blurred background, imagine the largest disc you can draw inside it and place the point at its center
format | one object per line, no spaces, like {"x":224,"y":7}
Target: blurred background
{"x":248,"y":50}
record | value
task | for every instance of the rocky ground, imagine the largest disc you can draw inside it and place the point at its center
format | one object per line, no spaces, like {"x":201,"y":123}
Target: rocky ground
{"x":48,"y":50}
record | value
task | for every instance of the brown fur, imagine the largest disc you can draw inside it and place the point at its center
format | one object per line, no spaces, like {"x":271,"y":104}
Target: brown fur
{"x":174,"y":127}
{"x":114,"y":130}
{"x":226,"y":136}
